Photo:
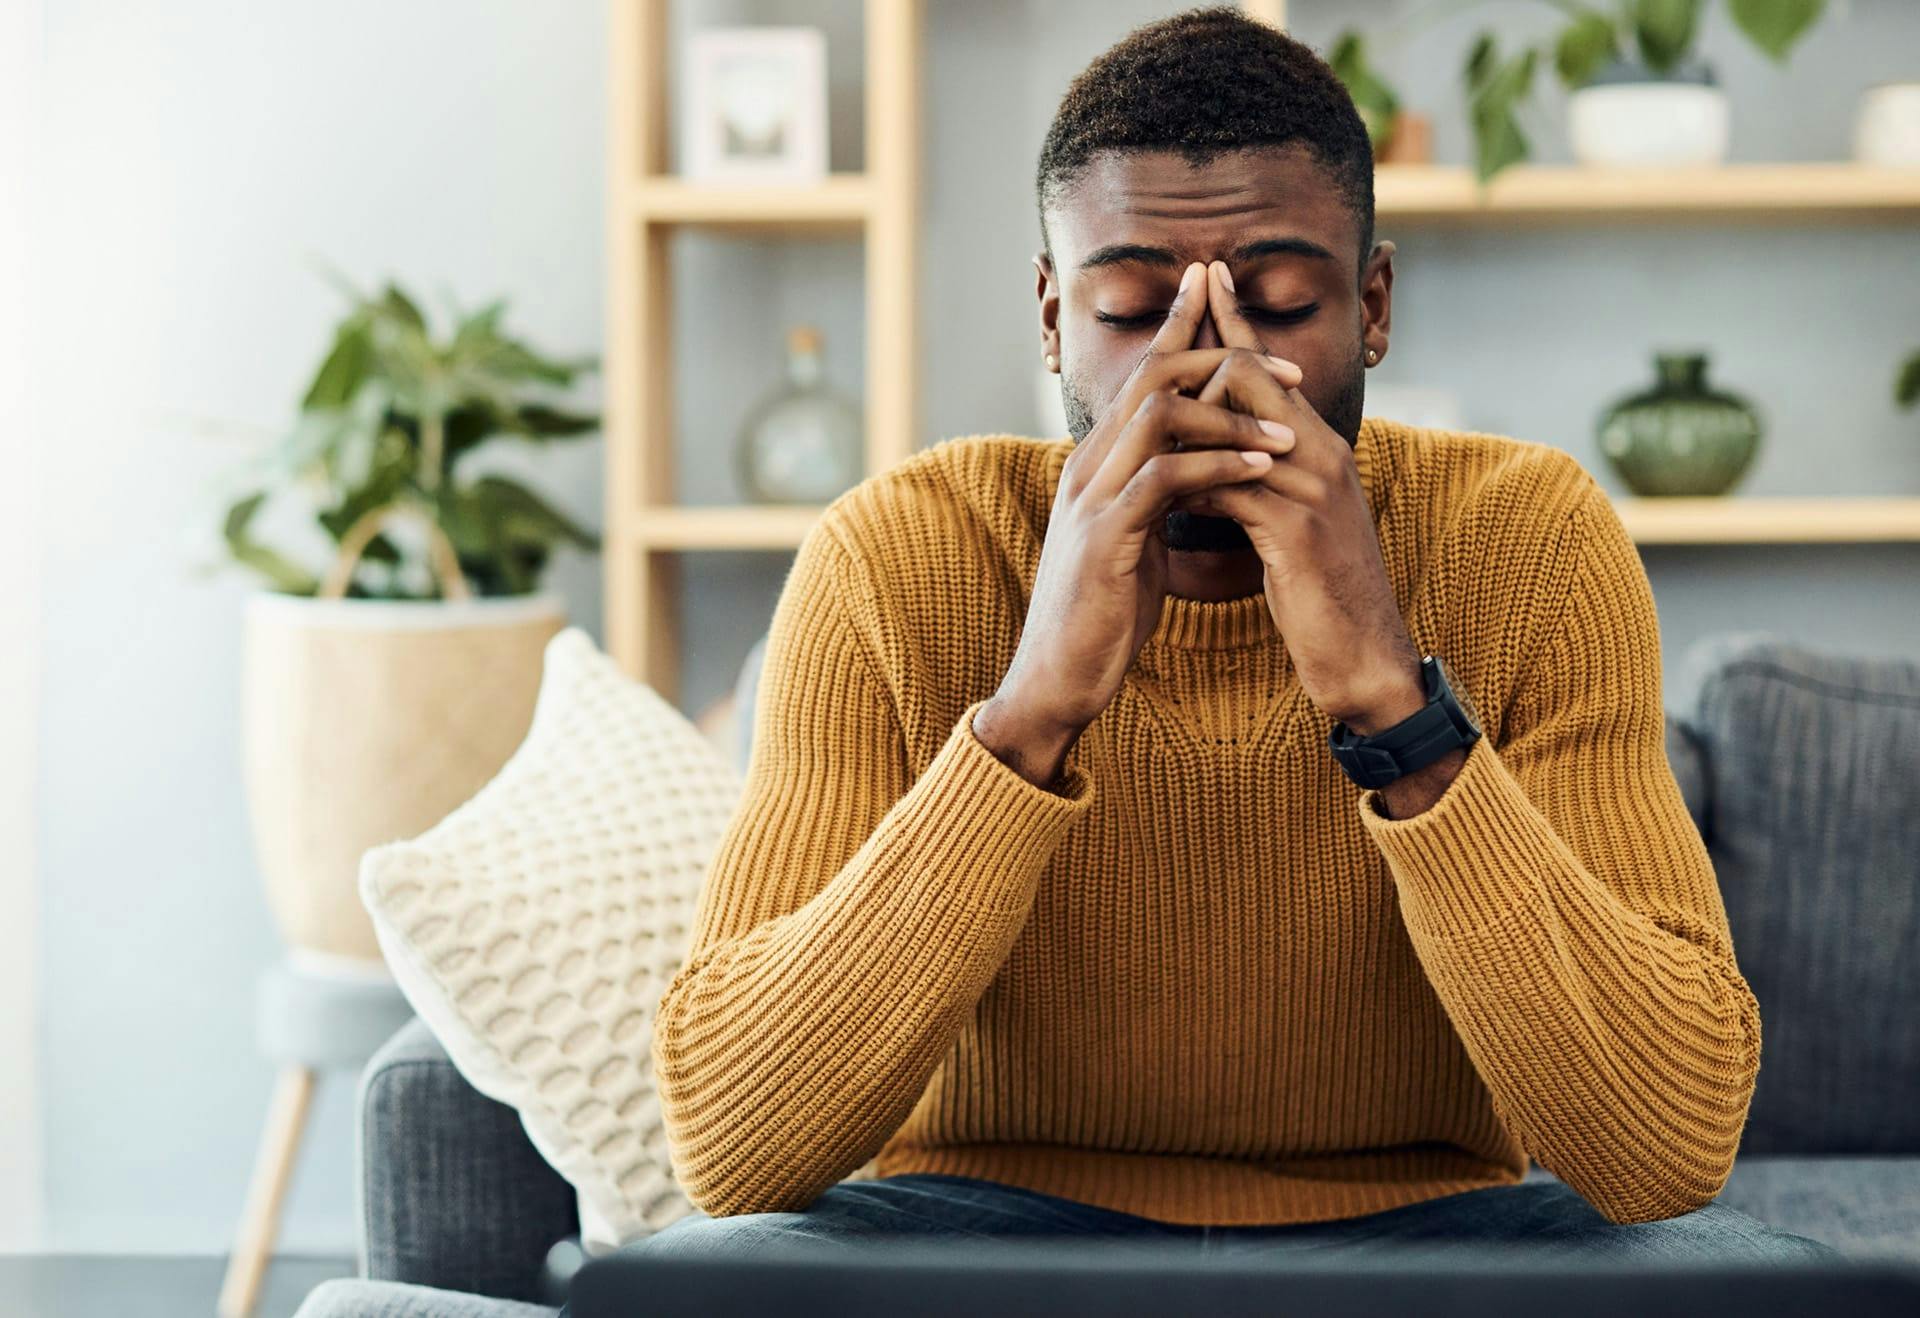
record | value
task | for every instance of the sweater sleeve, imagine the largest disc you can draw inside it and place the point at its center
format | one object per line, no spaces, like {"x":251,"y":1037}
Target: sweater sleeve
{"x":1565,"y":911}
{"x":850,"y":920}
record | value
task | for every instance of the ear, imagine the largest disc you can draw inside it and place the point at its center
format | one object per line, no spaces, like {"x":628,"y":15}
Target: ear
{"x":1376,"y":303}
{"x":1049,"y":294}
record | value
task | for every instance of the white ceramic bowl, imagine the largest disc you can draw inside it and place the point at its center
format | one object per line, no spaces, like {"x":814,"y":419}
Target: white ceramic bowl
{"x":1649,"y":123}
{"x":1887,"y":130}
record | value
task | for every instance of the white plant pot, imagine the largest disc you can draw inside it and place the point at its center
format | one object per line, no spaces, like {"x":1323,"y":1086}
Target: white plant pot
{"x":368,"y":721}
{"x":1887,"y":131}
{"x":1649,"y":124}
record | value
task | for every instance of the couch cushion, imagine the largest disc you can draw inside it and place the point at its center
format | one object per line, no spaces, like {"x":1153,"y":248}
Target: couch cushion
{"x":388,"y":1299}
{"x":1863,"y":1207}
{"x":1812,"y":815}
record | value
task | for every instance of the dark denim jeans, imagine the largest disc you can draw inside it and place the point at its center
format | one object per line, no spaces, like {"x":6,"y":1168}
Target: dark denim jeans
{"x":1541,"y":1216}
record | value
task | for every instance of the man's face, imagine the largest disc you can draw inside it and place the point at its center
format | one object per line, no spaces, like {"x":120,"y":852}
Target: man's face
{"x":1132,"y":223}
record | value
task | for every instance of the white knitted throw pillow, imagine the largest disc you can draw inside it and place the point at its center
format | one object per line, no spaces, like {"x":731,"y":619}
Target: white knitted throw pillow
{"x":535,"y":927}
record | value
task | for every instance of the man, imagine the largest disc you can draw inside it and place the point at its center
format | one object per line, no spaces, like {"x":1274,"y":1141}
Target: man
{"x":1242,"y":822}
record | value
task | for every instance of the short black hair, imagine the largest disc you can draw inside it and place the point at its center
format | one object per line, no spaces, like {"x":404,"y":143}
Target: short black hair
{"x":1204,"y":82}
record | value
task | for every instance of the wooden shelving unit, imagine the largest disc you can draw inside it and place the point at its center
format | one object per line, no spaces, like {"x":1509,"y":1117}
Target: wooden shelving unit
{"x":645,"y":207}
{"x":646,"y":531}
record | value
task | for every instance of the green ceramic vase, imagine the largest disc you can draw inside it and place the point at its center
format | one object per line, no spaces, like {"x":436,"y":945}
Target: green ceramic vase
{"x":1680,"y":437}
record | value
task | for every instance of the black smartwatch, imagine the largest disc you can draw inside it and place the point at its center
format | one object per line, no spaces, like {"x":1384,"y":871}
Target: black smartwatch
{"x":1446,"y":721}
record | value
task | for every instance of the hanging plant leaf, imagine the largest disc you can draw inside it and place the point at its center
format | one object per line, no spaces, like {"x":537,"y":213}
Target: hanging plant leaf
{"x":1494,"y":88}
{"x":1665,"y":30}
{"x":1906,"y":387}
{"x":1775,"y":25}
{"x":1584,"y":45}
{"x":1372,"y":97}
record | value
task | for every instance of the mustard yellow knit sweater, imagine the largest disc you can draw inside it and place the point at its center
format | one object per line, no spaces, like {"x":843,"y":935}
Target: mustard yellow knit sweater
{"x":1206,"y":980}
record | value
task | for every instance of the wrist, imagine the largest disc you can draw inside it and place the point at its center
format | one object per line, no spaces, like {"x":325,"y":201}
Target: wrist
{"x":1395,"y":700}
{"x":1032,"y":745}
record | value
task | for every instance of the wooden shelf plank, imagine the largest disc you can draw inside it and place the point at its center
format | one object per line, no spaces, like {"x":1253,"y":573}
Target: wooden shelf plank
{"x":838,"y":201}
{"x":749,"y":527}
{"x":1756,"y":520}
{"x":1831,"y":188}
{"x":1722,"y":521}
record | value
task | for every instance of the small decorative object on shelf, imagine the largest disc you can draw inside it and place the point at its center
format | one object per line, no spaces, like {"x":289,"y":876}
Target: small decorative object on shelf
{"x":802,"y":443}
{"x":1680,"y":437}
{"x":1626,"y":114}
{"x":1887,"y":131}
{"x":756,"y":105}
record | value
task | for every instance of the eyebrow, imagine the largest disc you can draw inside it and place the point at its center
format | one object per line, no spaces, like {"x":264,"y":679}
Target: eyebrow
{"x":1166,"y":257}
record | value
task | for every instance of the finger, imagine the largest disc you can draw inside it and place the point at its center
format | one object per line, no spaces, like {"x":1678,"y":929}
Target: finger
{"x":1236,"y":331}
{"x":1177,"y":331}
{"x":1166,"y":477}
{"x":1246,"y":383}
{"x":1166,"y":422}
{"x":1251,"y":500}
{"x":1174,"y":337}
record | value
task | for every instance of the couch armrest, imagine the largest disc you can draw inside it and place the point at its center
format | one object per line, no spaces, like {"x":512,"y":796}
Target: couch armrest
{"x":452,"y":1192}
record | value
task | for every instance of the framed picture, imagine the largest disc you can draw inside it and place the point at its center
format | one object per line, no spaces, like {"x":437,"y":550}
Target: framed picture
{"x":755,"y":108}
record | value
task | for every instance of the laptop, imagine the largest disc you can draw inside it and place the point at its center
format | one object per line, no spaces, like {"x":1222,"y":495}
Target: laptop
{"x":1015,"y":1278}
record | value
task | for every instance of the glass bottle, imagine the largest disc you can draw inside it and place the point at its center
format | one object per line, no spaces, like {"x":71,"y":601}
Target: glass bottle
{"x":802,"y":443}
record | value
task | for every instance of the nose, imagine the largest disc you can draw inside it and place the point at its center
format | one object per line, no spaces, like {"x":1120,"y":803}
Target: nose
{"x":1207,"y":336}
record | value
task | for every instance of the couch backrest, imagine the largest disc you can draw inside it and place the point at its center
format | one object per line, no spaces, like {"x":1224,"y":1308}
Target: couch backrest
{"x":1803,"y":770}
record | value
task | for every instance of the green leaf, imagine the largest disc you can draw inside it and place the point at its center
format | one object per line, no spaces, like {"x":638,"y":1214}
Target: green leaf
{"x":1372,"y":97}
{"x":1665,"y":29}
{"x":1775,"y":25}
{"x":1586,"y":43}
{"x":345,"y":368}
{"x":1906,"y":387}
{"x":1495,"y":89}
{"x":525,"y":515}
{"x":482,"y":327}
{"x":281,"y":572}
{"x":403,"y":308}
{"x":537,"y":420}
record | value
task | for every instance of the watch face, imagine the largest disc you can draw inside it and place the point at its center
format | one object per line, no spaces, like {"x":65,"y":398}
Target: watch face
{"x":1460,"y":693}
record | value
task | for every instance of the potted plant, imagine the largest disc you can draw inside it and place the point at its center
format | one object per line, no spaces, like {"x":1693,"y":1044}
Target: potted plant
{"x":1640,"y":95}
{"x":387,"y":684}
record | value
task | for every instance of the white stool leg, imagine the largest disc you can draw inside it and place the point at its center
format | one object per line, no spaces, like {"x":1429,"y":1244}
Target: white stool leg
{"x":272,"y":1173}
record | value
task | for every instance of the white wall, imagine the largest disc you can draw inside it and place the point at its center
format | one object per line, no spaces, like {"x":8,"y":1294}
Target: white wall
{"x":201,"y":154}
{"x":21,"y":1191}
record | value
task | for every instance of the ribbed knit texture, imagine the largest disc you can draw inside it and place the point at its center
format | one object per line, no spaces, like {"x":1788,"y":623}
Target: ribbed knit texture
{"x":1207,"y":980}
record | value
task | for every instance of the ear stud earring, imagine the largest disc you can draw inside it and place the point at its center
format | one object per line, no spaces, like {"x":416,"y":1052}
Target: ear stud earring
{"x":1050,"y":361}
{"x":1373,"y":356}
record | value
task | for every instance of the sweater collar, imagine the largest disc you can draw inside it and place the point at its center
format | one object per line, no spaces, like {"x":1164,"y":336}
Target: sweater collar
{"x":1237,"y":624}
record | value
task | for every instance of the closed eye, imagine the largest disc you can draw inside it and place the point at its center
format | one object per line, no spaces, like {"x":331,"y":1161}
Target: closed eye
{"x":1258,"y":315}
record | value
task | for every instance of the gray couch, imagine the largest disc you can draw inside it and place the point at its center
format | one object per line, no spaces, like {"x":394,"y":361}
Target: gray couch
{"x":1802,"y":770}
